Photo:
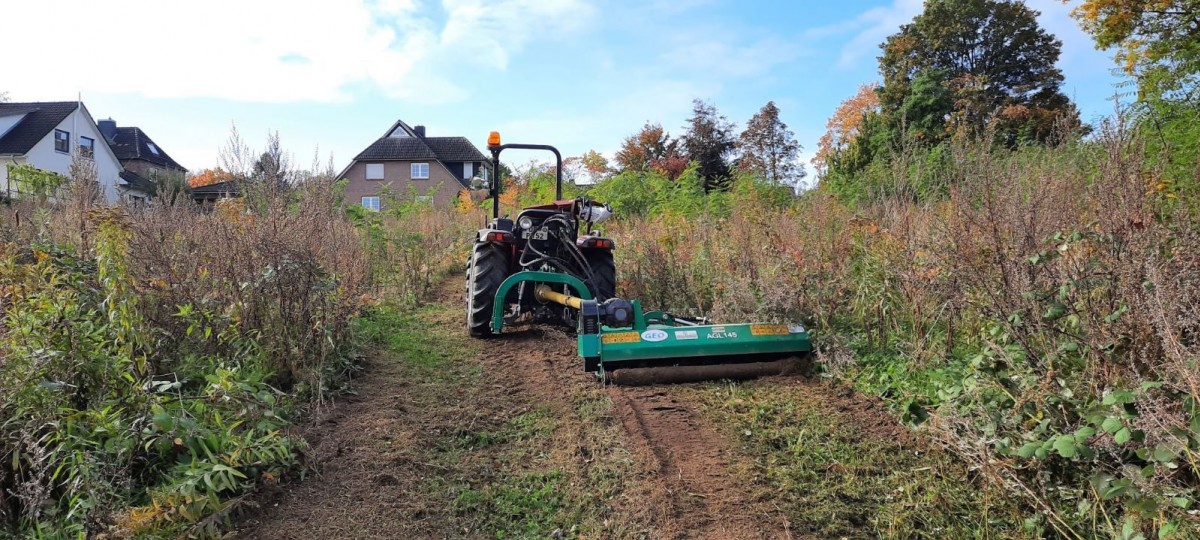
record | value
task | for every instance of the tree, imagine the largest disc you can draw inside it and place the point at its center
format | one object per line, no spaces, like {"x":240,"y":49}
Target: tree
{"x":1155,"y":40}
{"x":709,"y":142}
{"x":929,"y":112}
{"x":845,"y":124}
{"x":273,"y":166}
{"x":769,"y":148}
{"x":171,"y":188}
{"x":3,"y":97}
{"x":596,"y":166}
{"x":995,"y":61}
{"x":208,"y":177}
{"x":651,"y":149}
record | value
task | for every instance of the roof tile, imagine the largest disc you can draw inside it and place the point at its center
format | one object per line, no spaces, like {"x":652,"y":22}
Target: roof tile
{"x":454,"y":149}
{"x":133,"y":143}
{"x":41,"y":118}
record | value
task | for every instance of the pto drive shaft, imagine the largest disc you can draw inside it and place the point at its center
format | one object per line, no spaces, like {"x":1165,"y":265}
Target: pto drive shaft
{"x":544,"y":294}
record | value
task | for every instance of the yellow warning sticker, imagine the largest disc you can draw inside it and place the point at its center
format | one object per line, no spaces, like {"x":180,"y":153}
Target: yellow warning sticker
{"x":622,"y":337}
{"x":768,"y":330}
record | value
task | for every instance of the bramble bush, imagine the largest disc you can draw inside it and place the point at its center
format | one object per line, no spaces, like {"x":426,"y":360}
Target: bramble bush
{"x":1036,"y":312}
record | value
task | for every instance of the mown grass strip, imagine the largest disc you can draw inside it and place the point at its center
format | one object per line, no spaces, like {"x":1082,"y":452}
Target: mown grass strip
{"x":837,"y":473}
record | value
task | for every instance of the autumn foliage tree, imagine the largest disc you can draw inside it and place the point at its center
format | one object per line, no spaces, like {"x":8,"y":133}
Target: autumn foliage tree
{"x":208,"y":177}
{"x":846,"y":124}
{"x":1156,"y":40}
{"x":768,"y":148}
{"x":596,"y":165}
{"x":651,"y":149}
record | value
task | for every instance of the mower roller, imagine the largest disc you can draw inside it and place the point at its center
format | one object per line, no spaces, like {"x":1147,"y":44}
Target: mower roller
{"x":551,"y":266}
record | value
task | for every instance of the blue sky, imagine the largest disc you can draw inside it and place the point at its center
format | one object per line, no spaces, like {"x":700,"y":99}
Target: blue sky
{"x":579,"y":74}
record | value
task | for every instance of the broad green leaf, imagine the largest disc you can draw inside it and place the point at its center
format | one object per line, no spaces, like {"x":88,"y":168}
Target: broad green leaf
{"x":1065,"y":446}
{"x":1028,"y":449}
{"x":1118,"y":397}
{"x":1162,"y":453}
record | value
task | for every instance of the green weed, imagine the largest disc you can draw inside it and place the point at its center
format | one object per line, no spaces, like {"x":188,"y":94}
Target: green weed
{"x":833,"y":480}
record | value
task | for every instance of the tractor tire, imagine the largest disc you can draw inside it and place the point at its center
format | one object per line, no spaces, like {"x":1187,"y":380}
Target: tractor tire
{"x":604,"y":273}
{"x":485,"y":272}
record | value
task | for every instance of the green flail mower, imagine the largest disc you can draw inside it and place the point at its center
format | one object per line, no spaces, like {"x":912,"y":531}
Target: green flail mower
{"x":550,"y":265}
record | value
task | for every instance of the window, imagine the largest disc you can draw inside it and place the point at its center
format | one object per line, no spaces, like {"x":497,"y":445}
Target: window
{"x":62,"y":141}
{"x":371,"y":203}
{"x":153,"y":172}
{"x":153,"y":149}
{"x":420,"y":171}
{"x":374,"y":171}
{"x":424,"y":198}
{"x":87,"y":146}
{"x":468,"y":170}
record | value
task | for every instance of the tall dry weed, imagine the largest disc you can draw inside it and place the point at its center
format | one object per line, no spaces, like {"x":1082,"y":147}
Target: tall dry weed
{"x":1045,"y":302}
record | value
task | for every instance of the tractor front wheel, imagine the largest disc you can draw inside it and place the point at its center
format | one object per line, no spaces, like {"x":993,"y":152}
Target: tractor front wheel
{"x":486,"y":271}
{"x":604,"y":273}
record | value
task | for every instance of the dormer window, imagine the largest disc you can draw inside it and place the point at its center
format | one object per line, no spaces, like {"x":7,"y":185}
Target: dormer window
{"x":62,"y":141}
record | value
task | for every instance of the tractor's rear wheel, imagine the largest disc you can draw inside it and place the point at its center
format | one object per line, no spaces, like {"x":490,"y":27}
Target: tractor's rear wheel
{"x":604,"y":273}
{"x":486,"y":271}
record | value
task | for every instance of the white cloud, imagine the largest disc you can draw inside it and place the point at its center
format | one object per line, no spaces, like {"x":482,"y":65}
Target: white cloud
{"x":729,"y":60}
{"x":871,"y":28}
{"x":667,"y":102}
{"x":265,"y":50}
{"x":488,"y":32}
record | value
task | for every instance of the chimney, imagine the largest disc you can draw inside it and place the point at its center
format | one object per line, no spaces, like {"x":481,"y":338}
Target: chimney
{"x":108,"y":128}
{"x":420,"y":131}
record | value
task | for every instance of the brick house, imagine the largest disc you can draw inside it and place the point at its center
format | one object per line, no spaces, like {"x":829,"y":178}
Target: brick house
{"x":144,"y":162}
{"x":405,"y":161}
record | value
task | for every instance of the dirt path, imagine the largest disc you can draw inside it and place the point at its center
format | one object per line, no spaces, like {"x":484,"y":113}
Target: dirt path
{"x":437,"y":448}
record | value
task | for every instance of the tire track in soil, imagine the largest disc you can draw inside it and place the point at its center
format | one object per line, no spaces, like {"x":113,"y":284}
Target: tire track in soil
{"x":704,"y":498}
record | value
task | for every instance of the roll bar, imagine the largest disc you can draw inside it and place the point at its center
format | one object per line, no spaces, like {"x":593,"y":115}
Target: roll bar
{"x":496,"y":180}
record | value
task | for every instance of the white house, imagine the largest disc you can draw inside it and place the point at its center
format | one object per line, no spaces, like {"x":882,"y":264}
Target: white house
{"x":48,"y":135}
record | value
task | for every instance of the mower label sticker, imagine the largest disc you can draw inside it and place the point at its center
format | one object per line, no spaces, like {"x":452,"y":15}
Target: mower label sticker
{"x":654,"y":335}
{"x":686,"y":334}
{"x":795,"y":329}
{"x":768,"y":330}
{"x":718,"y":332}
{"x":622,"y":337}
